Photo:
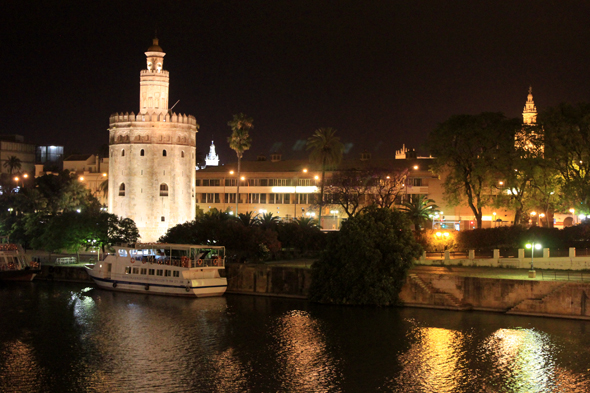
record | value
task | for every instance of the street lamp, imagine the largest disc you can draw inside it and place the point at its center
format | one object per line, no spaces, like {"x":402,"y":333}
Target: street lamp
{"x":533,"y":246}
{"x":533,"y":214}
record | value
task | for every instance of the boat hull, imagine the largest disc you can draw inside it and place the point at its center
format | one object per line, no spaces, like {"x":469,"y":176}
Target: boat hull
{"x":215,"y":287}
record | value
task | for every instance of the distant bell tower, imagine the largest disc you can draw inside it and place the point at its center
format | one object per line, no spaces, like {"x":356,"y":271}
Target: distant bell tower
{"x":212,"y":159}
{"x":152,"y":157}
{"x":529,"y":114}
{"x":154,"y":82}
{"x":527,"y":139}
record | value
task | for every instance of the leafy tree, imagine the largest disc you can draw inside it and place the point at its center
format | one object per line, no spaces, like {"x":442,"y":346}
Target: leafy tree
{"x":418,"y":209}
{"x":326,"y":150}
{"x":567,"y":135}
{"x":240,"y":141}
{"x":465,"y":147}
{"x":12,"y":163}
{"x":367,"y":261}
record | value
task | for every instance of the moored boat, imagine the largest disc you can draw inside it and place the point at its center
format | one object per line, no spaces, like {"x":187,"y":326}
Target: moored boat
{"x":165,"y":269}
{"x":14,"y":264}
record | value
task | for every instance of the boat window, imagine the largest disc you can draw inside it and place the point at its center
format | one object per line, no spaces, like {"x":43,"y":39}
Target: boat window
{"x":122,"y":253}
{"x":143,"y":271}
{"x":167,"y":273}
{"x":135,"y":270}
{"x":175,"y":273}
{"x":128,"y":270}
{"x":159,"y":272}
{"x":151,"y":273}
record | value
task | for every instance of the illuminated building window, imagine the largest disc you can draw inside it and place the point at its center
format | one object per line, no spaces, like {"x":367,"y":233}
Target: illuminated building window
{"x":122,"y":189}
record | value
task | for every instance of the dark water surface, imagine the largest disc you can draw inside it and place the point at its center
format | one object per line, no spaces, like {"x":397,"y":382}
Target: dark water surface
{"x":73,"y":338}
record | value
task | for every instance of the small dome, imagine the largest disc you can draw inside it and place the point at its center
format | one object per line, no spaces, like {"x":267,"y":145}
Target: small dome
{"x":155,"y":47}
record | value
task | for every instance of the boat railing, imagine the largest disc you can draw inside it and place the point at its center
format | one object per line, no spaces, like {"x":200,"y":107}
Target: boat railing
{"x":179,"y":262}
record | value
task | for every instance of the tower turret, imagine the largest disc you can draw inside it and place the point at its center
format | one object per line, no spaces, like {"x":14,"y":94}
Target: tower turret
{"x":154,"y":82}
{"x":529,"y":114}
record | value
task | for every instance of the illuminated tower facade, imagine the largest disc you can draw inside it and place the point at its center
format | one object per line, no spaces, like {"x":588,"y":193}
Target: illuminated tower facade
{"x":212,"y":159}
{"x":526,"y":138}
{"x":152,"y":157}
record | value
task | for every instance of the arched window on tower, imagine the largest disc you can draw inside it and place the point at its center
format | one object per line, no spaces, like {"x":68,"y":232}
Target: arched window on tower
{"x":123,"y":153}
{"x":142,"y":153}
{"x":182,"y":154}
{"x":164,"y":189}
{"x":122,"y":189}
{"x":164,"y":153}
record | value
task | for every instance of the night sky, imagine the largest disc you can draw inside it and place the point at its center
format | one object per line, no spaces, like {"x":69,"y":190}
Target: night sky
{"x":382,"y":73}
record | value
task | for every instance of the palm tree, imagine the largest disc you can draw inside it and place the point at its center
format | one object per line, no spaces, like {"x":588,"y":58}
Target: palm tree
{"x":248,"y":219}
{"x":268,"y":220}
{"x":104,"y":188}
{"x":326,"y":150}
{"x":306,"y":222}
{"x":418,"y":208}
{"x":240,"y":141}
{"x":12,"y":163}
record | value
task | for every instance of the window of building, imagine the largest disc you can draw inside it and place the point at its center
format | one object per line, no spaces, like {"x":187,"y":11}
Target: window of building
{"x":198,"y":182}
{"x":230,"y":198}
{"x":123,"y":153}
{"x":205,"y":182}
{"x":151,"y":272}
{"x":416,"y":182}
{"x":278,"y":198}
{"x":287,"y":198}
{"x":263,"y":182}
{"x":182,"y":154}
{"x":203,"y":198}
{"x":230,"y":182}
{"x":143,"y":271}
{"x":127,"y":269}
{"x":167,"y":273}
{"x":122,"y":189}
{"x":271,"y":198}
{"x":262,"y":198}
{"x":159,"y":272}
{"x":164,"y":189}
{"x":164,"y":153}
{"x":142,"y":152}
{"x":176,"y":273}
{"x":135,"y":270}
{"x":163,"y":219}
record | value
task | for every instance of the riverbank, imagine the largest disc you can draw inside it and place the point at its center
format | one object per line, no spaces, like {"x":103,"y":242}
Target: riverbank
{"x":508,"y":291}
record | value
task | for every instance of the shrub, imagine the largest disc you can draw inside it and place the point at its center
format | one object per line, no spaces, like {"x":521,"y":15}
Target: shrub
{"x":367,"y":261}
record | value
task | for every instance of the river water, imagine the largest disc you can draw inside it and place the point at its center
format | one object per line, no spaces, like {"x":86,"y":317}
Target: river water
{"x":57,"y":337}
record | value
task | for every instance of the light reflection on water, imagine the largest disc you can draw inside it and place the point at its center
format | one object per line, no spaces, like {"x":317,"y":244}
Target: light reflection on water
{"x":69,"y":338}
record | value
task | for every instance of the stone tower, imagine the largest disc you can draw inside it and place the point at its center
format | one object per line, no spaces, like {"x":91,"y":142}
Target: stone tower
{"x":527,"y":139}
{"x":212,"y":159}
{"x":529,"y":114}
{"x":152,"y":157}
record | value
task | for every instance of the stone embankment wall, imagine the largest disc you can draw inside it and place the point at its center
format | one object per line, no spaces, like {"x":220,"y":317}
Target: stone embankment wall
{"x":268,"y":280}
{"x":526,"y":297}
{"x":63,"y":273}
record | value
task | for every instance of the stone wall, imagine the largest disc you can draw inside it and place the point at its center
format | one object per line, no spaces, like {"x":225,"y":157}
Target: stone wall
{"x":268,"y":280}
{"x":528,"y":297}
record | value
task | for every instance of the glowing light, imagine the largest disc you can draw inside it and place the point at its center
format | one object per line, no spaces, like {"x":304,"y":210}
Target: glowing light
{"x":415,"y":166}
{"x":81,"y":178}
{"x":231,"y":172}
{"x":316,"y":177}
{"x":305,"y":170}
{"x":572,"y":211}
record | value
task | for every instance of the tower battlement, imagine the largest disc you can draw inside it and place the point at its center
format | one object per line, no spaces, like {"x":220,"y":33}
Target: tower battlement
{"x":155,"y":72}
{"x":177,"y":118}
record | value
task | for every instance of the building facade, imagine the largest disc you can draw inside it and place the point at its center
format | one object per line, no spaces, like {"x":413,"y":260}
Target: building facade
{"x":15,"y":146}
{"x":152,"y":157}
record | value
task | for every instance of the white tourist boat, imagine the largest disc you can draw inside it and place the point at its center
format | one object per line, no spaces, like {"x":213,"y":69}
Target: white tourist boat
{"x":161,"y":268}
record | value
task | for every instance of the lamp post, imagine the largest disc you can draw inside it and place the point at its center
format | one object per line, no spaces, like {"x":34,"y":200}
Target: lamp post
{"x":532,"y":246}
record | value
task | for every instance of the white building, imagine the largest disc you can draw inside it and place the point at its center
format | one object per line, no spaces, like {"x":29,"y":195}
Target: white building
{"x":152,"y":156}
